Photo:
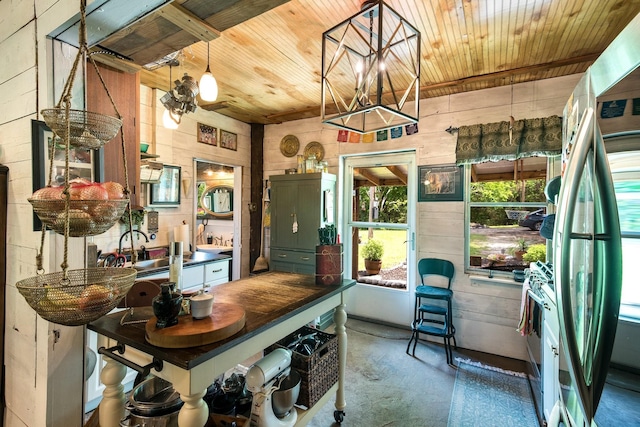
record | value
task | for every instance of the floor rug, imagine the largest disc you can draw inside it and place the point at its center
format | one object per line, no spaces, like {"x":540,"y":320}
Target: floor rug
{"x":488,"y":396}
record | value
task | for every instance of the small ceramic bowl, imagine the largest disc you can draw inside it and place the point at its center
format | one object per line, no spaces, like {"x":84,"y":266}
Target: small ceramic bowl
{"x":201,"y":305}
{"x":144,"y":147}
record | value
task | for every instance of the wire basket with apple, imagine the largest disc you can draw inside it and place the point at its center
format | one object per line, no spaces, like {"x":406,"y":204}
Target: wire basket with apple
{"x":93,"y":207}
{"x":77,"y":297}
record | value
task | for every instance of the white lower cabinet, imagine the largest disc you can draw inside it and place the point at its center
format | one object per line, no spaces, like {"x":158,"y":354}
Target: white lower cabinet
{"x":216,"y":273}
{"x":193,"y":277}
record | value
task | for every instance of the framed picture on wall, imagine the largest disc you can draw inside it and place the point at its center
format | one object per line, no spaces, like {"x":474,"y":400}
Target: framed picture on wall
{"x":228,"y":140}
{"x":440,"y":183}
{"x":207,"y":134}
{"x":167,"y":191}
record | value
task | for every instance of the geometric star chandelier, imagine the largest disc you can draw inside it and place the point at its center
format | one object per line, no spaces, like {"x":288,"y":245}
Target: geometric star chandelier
{"x":378,"y":51}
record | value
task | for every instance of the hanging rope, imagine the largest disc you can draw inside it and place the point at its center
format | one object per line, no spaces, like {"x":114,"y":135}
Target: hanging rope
{"x":65,"y":102}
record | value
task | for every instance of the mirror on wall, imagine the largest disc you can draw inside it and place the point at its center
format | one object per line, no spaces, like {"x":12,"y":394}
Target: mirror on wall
{"x":215,"y":190}
{"x":215,"y":201}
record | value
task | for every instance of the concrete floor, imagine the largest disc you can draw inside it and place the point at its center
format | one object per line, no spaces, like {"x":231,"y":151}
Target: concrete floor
{"x":387,"y":387}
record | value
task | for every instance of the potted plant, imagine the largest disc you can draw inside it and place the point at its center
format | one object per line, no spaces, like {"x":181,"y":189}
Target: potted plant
{"x":372,"y":252}
{"x":535,"y":253}
{"x":521,"y":248}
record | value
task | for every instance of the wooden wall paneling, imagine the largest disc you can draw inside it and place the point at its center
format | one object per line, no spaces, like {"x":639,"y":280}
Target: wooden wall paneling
{"x":125,"y":90}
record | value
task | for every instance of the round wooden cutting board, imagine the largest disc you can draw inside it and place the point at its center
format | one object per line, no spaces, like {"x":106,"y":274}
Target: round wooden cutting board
{"x":225,"y":320}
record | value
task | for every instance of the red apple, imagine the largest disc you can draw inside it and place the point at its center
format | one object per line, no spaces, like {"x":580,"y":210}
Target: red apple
{"x":93,"y":191}
{"x":47,"y":193}
{"x":115,"y":190}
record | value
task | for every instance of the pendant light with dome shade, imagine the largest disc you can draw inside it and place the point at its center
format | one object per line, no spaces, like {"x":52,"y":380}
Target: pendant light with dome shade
{"x":208,"y":84}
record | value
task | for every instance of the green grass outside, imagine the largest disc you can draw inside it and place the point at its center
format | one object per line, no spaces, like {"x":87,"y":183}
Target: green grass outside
{"x":395,"y":250}
{"x":477,"y":244}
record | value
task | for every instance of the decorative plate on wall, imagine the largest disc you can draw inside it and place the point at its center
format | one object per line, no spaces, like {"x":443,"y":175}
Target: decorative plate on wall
{"x":289,"y":145}
{"x":314,"y":147}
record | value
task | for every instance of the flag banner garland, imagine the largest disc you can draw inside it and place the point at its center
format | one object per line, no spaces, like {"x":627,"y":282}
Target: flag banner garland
{"x":396,"y":132}
{"x":411,"y":129}
{"x":354,"y":137}
{"x":382,"y":135}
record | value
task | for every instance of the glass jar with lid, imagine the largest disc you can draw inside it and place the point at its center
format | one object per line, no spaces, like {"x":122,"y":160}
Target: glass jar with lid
{"x":311,"y":163}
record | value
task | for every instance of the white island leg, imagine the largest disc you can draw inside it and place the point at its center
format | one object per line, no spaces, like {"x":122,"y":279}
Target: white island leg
{"x":340,"y":318}
{"x":112,"y":405}
{"x":194,"y":412}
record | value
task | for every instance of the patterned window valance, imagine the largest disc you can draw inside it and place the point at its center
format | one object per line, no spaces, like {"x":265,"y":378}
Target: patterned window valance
{"x":509,"y":140}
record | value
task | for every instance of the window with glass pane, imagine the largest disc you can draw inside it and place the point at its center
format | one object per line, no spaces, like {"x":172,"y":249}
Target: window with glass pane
{"x":625,"y":169}
{"x":507,"y":206}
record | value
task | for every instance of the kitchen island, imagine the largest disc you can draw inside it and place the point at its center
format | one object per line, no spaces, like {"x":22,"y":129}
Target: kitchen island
{"x":276,"y":304}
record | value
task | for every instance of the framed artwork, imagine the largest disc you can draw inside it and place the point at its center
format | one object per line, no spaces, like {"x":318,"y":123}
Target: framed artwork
{"x":207,"y":134}
{"x":43,"y":141}
{"x":440,"y":183}
{"x":167,"y":191}
{"x":228,"y":140}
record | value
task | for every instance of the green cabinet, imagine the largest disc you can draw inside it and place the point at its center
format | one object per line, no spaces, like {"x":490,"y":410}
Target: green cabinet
{"x":300,"y":204}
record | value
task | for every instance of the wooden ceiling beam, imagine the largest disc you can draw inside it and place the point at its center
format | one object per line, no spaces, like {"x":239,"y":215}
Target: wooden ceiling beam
{"x":106,"y":57}
{"x":383,"y":183}
{"x":474,"y":174}
{"x":399,"y":173}
{"x":314,"y":111}
{"x":214,"y":106}
{"x":184,"y":19}
{"x":512,"y":72}
{"x":367,"y":175}
{"x":508,"y":176}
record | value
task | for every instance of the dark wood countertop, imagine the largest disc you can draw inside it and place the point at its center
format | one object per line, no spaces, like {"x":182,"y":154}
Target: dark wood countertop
{"x":268,"y":299}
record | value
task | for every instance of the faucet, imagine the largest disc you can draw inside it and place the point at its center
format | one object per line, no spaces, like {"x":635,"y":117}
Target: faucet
{"x":146,"y":238}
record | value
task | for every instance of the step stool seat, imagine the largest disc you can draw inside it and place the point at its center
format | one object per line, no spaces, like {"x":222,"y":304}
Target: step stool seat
{"x":434,"y":292}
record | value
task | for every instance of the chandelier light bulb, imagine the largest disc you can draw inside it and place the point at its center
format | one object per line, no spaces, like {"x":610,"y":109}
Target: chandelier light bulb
{"x":208,"y":87}
{"x":168,"y":121}
{"x":208,"y":83}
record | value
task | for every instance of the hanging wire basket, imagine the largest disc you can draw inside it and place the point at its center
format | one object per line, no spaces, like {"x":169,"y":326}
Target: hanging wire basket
{"x":86,"y":217}
{"x":88,"y":129}
{"x":86,"y":295}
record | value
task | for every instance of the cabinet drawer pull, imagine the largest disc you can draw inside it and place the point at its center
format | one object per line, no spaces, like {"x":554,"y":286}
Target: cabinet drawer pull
{"x":304,"y":258}
{"x":216,"y":271}
{"x":282,"y":256}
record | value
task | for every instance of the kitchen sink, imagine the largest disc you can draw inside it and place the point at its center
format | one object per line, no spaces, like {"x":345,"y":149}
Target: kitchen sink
{"x":151,"y":263}
{"x":164,"y":262}
{"x":216,"y":249}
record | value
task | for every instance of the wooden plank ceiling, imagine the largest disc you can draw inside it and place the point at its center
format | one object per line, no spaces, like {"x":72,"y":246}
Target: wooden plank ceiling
{"x":266,"y":54}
